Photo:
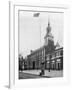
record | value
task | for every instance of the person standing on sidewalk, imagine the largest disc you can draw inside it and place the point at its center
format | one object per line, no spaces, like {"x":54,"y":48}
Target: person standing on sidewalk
{"x":42,"y":69}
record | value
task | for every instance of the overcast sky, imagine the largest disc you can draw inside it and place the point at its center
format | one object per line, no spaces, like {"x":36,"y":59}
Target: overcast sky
{"x":33,"y":29}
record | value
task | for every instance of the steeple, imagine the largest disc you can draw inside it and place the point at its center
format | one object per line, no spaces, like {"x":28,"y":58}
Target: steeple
{"x":49,"y":39}
{"x":48,"y":28}
{"x":48,"y":35}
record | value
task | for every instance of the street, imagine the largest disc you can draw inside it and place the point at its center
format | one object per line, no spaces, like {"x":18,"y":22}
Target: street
{"x":23,"y":75}
{"x":26,"y":74}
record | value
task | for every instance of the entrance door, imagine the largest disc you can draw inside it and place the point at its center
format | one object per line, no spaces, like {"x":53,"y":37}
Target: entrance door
{"x":58,"y":66}
{"x":33,"y":64}
{"x":53,"y":66}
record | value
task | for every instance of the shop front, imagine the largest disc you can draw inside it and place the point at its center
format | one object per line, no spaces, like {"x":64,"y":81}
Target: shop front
{"x":58,"y":64}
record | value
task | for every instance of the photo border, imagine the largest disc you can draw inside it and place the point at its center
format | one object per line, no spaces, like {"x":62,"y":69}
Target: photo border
{"x":14,"y":82}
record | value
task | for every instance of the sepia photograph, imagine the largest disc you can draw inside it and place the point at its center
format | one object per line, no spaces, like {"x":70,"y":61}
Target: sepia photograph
{"x":40,"y":45}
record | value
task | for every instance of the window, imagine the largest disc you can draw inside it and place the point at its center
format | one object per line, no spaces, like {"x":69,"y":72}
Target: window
{"x":61,"y":53}
{"x":57,"y":53}
{"x":53,"y":55}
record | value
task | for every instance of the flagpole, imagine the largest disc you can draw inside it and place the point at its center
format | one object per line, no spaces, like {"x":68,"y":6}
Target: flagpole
{"x":39,"y":21}
{"x":40,"y":31}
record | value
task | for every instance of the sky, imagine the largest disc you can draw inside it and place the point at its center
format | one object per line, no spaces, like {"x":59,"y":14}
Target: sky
{"x":33,"y":29}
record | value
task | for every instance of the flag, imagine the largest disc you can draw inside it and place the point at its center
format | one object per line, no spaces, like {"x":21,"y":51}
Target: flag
{"x":36,"y":15}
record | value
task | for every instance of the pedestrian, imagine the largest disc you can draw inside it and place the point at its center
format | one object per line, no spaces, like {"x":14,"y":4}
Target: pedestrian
{"x":42,"y":69}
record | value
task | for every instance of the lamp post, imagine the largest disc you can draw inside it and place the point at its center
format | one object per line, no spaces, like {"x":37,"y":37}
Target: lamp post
{"x":50,"y":63}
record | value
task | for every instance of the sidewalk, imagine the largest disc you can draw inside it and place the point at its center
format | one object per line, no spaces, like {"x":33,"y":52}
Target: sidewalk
{"x":52,"y":73}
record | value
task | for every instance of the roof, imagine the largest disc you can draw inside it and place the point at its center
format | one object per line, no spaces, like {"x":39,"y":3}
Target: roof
{"x":37,"y":49}
{"x":57,"y":46}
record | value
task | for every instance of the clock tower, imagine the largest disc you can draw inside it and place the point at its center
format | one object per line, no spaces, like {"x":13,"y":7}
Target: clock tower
{"x":49,"y":40}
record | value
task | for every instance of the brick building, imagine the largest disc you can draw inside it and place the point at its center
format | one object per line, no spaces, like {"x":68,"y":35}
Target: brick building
{"x":50,"y":55}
